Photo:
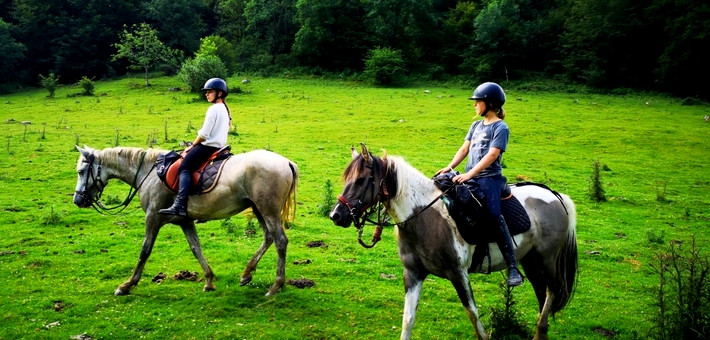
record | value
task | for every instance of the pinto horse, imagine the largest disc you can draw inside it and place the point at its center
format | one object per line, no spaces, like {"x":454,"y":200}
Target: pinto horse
{"x":261,"y":180}
{"x":430,"y":243}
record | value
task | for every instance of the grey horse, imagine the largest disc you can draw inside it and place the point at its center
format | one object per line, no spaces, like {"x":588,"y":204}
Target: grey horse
{"x":260,"y":180}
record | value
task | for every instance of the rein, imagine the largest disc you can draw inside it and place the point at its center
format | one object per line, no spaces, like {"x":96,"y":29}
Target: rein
{"x":362,"y":215}
{"x":100,"y":185}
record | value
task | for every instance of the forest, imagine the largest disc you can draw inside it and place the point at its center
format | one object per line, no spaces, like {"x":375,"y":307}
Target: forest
{"x":657,"y":45}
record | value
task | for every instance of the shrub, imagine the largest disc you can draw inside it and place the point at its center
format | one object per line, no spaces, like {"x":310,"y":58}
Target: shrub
{"x":50,"y":83}
{"x":596,"y":189}
{"x":328,"y":201}
{"x":683,"y":294}
{"x":194,"y":72}
{"x":88,"y":86}
{"x":506,"y":321}
{"x":385,"y":66}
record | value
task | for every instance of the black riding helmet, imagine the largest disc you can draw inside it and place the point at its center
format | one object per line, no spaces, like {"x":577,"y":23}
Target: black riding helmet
{"x":491,"y":93}
{"x":217,"y":84}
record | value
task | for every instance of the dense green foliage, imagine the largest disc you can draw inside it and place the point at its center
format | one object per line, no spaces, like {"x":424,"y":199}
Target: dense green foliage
{"x":648,"y":44}
{"x":60,"y":263}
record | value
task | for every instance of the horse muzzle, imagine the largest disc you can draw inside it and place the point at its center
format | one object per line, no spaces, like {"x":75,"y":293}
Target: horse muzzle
{"x":341,"y":216}
{"x":82,"y":199}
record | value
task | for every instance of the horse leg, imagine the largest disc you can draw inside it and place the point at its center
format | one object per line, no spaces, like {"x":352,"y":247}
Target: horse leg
{"x":151,"y":233}
{"x":281,"y":243}
{"x":413,"y":289}
{"x":251,"y":265}
{"x":463,"y":289}
{"x":535,"y":270}
{"x":188,"y":228}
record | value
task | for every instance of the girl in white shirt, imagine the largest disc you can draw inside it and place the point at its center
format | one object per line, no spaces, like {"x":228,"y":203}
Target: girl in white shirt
{"x":210,"y":138}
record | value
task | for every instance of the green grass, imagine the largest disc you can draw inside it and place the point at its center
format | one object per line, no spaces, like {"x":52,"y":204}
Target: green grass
{"x":55,"y":254}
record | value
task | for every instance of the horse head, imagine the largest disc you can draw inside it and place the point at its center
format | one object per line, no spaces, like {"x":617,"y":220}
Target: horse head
{"x":90,"y":179}
{"x":366,"y":185}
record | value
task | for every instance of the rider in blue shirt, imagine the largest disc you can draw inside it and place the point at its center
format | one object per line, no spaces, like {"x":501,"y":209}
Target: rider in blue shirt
{"x":484,"y":144}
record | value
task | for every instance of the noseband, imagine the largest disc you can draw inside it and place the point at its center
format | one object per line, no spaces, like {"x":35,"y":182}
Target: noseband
{"x":96,"y":182}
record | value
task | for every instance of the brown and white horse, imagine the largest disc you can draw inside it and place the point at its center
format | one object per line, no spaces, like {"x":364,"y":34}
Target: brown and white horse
{"x":261,"y":180}
{"x":430,"y":243}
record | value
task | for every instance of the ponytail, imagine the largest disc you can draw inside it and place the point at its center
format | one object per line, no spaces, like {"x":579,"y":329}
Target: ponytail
{"x":501,"y":113}
{"x":228,"y":113}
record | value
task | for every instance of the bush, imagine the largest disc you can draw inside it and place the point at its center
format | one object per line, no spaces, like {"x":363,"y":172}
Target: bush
{"x":683,"y":294}
{"x":385,"y":66}
{"x":88,"y":86}
{"x":194,"y":72}
{"x":328,"y":199}
{"x":50,"y":82}
{"x":596,"y":189}
{"x":506,"y":321}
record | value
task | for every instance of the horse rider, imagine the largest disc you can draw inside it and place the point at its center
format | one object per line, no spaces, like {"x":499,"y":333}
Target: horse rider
{"x":485,"y":143}
{"x":210,"y":138}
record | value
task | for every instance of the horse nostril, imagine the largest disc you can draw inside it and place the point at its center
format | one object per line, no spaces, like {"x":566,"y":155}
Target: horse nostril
{"x":335,"y":217}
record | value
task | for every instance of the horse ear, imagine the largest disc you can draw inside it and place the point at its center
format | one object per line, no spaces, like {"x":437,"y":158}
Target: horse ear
{"x":353,"y":152}
{"x":84,"y":151}
{"x":365,"y":153}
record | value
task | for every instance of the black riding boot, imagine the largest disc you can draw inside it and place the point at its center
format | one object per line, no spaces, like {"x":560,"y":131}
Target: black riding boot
{"x":179,"y":207}
{"x":505,"y":243}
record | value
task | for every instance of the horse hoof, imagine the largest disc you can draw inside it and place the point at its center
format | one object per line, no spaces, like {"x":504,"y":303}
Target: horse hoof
{"x":245,"y":280}
{"x":119,"y":292}
{"x":208,"y":288}
{"x":272,"y":292}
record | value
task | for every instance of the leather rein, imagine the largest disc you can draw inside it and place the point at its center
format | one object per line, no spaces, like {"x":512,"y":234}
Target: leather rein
{"x":99,"y":185}
{"x":361,"y":215}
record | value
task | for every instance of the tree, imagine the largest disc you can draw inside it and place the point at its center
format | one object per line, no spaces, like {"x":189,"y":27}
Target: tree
{"x":272,"y":23}
{"x":11,"y":52}
{"x":333,"y":34}
{"x":179,"y":22}
{"x":143,"y":49}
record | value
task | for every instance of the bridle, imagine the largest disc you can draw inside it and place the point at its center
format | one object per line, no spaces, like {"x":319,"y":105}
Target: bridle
{"x":99,"y":185}
{"x":361,"y":214}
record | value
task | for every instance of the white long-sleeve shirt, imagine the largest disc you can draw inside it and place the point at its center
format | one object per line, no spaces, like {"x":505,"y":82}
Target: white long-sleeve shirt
{"x":216,"y":126}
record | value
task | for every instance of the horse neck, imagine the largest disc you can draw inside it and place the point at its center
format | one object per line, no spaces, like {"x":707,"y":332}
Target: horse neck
{"x":123,"y":163}
{"x":414,"y":190}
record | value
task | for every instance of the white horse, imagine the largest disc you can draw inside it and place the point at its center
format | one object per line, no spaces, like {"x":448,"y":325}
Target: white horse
{"x":430,"y":243}
{"x":261,"y":180}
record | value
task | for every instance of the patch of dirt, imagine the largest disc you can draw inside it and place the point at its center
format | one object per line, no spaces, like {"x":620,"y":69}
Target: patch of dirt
{"x":301,"y":283}
{"x":58,"y":306}
{"x":159,"y":278}
{"x":186,"y":275}
{"x":306,"y":261}
{"x":316,"y":244}
{"x":388,"y":276}
{"x":608,"y":333}
{"x":6,"y":252}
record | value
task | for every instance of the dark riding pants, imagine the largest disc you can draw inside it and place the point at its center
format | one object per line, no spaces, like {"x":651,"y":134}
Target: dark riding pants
{"x":197,"y":156}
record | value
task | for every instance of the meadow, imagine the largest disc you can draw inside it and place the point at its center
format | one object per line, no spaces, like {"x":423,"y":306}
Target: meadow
{"x":60,"y":264}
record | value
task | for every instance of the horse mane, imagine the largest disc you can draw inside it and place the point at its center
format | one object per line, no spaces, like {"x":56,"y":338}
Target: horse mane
{"x":130,"y":155}
{"x":406,"y":173}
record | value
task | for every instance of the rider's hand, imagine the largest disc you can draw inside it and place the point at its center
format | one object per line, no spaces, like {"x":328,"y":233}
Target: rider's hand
{"x":446,"y":169}
{"x":459,"y":179}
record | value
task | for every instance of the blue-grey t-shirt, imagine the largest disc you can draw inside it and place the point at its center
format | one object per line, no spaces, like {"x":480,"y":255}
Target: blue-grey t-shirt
{"x":482,"y":138}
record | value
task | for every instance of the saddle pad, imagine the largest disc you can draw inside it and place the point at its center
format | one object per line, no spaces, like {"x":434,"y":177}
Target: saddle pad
{"x":515,"y":217}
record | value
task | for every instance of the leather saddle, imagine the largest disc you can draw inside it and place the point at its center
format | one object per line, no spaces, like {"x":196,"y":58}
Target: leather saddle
{"x":466,"y":204}
{"x":203,"y":180}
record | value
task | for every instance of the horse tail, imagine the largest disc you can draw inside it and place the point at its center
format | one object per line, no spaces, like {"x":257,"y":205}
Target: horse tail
{"x":288,"y":213}
{"x":566,"y":260}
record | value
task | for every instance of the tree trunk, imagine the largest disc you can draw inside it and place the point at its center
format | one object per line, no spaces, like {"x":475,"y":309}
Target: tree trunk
{"x":146,"y":76}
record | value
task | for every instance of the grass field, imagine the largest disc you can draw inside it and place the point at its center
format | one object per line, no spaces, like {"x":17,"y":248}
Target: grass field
{"x":59,"y":264}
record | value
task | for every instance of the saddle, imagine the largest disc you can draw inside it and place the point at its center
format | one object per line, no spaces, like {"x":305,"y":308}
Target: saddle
{"x":203,"y":180}
{"x":466,"y":204}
